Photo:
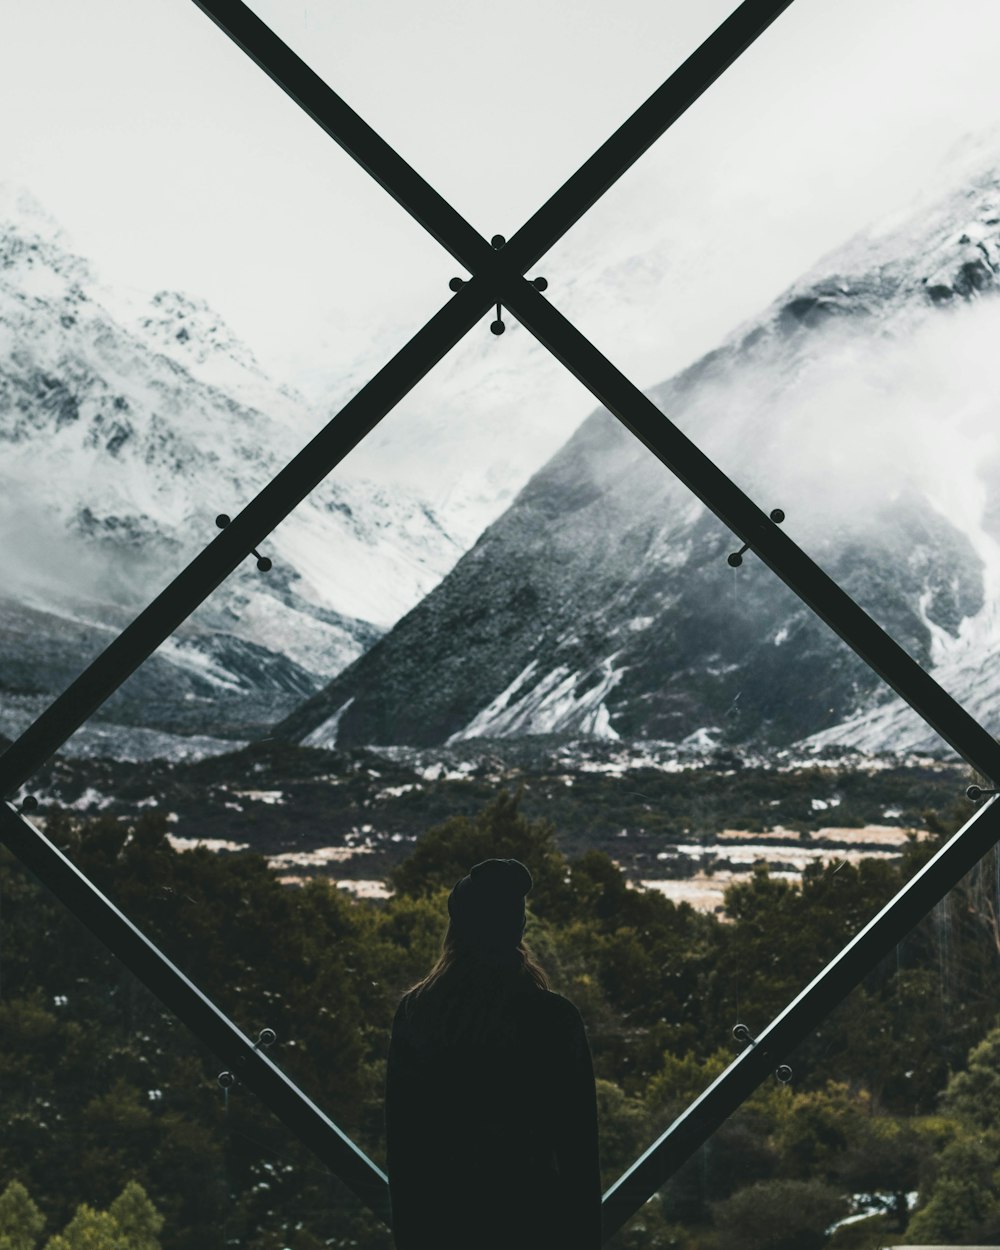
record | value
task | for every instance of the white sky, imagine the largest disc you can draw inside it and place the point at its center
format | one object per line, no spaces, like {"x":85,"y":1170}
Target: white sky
{"x":173,"y":162}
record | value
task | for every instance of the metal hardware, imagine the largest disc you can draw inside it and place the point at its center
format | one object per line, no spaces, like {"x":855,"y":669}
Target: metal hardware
{"x":975,"y":793}
{"x":263,"y":563}
{"x":742,"y":1034}
{"x":497,"y":327}
{"x":265,"y":1038}
{"x":736,"y":558}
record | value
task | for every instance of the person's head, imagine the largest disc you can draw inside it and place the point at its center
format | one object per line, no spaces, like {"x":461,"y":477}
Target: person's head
{"x":486,"y":924}
{"x":487,"y":906}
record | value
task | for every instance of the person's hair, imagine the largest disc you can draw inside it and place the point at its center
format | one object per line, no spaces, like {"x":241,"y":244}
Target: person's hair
{"x":460,"y":964}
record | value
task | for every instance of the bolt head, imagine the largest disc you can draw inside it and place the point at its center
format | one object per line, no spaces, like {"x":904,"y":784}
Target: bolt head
{"x":497,"y":241}
{"x":497,"y":327}
{"x":975,"y":793}
{"x":263,"y":564}
{"x":29,"y":803}
{"x":539,"y":284}
{"x":456,"y":284}
{"x":735,"y":559}
{"x":777,"y":515}
{"x":222,"y":520}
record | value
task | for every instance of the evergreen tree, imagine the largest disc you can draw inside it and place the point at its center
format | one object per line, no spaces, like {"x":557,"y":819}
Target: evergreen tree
{"x":88,"y":1230}
{"x":138,"y":1220}
{"x":21,"y":1222}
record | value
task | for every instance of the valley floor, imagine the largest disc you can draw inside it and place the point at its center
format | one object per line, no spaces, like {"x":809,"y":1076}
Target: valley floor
{"x":686,"y":826}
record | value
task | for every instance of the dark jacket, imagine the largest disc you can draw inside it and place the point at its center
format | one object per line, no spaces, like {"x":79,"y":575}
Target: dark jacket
{"x":492,"y":1142}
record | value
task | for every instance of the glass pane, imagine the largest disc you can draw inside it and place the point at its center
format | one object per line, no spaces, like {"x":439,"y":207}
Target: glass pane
{"x":496,"y":110}
{"x":800,"y":278}
{"x":115,"y":1121}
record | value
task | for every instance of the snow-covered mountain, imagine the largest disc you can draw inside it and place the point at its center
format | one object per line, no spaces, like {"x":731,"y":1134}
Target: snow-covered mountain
{"x":863,"y":402}
{"x":126,"y":425}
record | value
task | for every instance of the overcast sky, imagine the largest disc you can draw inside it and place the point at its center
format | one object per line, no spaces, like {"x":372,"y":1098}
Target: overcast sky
{"x":173,"y":162}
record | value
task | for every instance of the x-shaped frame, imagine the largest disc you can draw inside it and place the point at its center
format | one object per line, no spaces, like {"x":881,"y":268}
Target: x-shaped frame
{"x":497,"y":277}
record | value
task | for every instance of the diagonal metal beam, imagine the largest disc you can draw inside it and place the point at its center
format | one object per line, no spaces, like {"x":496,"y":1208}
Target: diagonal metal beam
{"x":702,"y":476}
{"x":844,"y":973}
{"x":181,"y":996}
{"x":195,"y":583}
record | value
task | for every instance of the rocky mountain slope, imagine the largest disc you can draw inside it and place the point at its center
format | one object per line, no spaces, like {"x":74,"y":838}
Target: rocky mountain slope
{"x":601,"y":602}
{"x":126,"y":425}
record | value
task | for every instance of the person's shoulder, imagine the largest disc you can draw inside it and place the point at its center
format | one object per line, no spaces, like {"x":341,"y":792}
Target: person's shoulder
{"x":404,"y":1010}
{"x":557,"y":1008}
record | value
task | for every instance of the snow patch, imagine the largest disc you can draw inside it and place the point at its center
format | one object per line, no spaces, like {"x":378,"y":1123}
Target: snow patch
{"x":211,"y":844}
{"x":274,"y":797}
{"x":550,"y":706}
{"x":317,"y":858}
{"x":325,"y":735}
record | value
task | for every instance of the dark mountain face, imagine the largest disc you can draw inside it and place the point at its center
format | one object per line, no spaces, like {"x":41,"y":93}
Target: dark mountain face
{"x":601,"y":603}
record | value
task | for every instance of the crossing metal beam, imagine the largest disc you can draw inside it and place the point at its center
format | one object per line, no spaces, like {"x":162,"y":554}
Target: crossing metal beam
{"x":497,"y":275}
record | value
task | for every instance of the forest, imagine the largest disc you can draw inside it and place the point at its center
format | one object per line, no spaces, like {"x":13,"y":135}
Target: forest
{"x":118,"y":1134}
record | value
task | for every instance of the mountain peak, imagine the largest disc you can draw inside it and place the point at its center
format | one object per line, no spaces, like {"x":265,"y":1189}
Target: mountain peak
{"x":189,"y":327}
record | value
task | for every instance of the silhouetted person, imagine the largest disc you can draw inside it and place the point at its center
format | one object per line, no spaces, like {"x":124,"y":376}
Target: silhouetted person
{"x":490,"y":1108}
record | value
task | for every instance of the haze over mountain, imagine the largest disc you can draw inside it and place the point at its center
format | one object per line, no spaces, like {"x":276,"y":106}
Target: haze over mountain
{"x":862,"y":403}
